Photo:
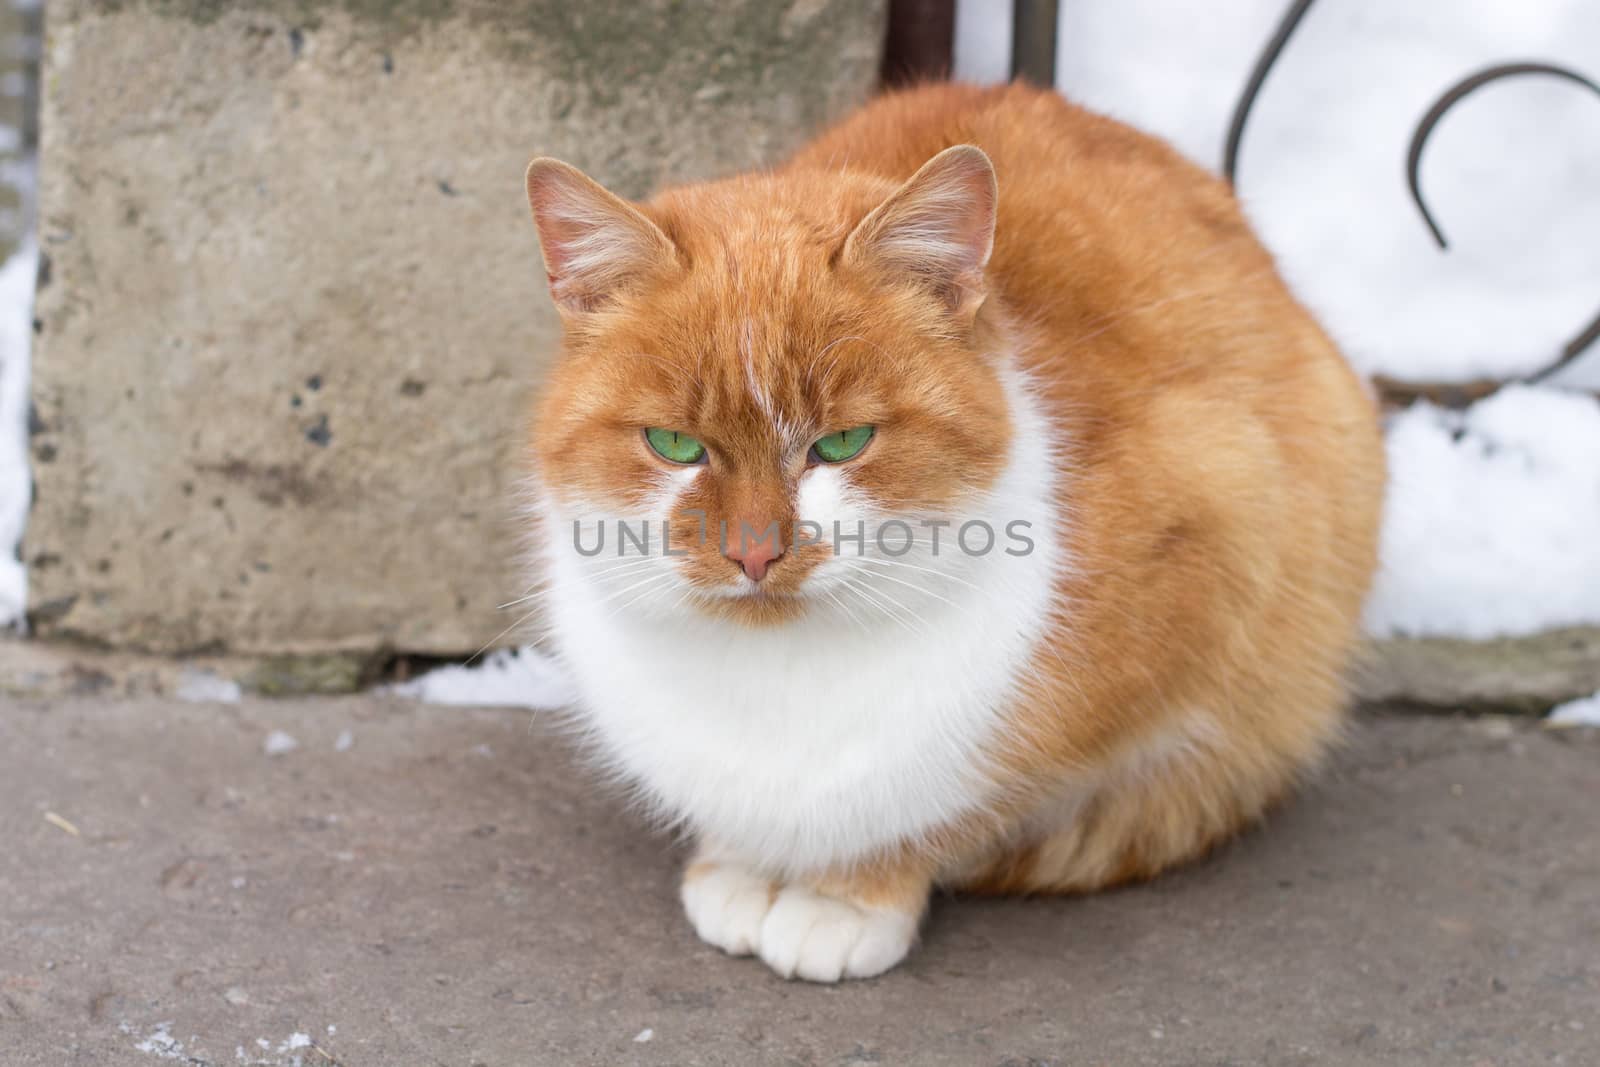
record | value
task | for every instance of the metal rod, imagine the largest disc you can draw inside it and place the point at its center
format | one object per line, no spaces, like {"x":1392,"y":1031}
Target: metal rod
{"x":920,"y":43}
{"x":1419,"y":137}
{"x":1419,"y":140}
{"x":1252,"y":87}
{"x":1033,"y":41}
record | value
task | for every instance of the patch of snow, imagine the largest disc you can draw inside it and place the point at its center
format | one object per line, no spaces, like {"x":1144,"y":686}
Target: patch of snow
{"x":287,"y":1053}
{"x":161,"y":1044}
{"x":982,"y":51}
{"x":510,"y":678}
{"x":344,"y":741}
{"x":1584,"y":711}
{"x":16,"y":484}
{"x":643,"y":1035}
{"x":279,"y":743}
{"x":1492,"y":518}
{"x":207,"y":687}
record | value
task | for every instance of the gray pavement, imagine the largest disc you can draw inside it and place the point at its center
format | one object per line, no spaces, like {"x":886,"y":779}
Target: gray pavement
{"x":451,"y":888}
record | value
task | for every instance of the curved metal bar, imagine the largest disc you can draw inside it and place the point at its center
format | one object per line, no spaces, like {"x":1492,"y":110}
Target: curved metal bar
{"x":1419,"y":139}
{"x":1452,"y":95}
{"x":1569,"y":351}
{"x":1252,"y":87}
{"x":1269,"y":57}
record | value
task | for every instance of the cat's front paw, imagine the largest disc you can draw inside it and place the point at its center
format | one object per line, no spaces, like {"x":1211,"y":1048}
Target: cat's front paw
{"x":823,"y":939}
{"x":798,"y":932}
{"x":726,"y":906}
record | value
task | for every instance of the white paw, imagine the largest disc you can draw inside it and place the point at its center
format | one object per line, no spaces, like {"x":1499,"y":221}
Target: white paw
{"x":822,"y":939}
{"x":726,"y":906}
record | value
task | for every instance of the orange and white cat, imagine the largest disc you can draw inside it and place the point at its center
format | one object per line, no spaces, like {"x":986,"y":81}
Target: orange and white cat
{"x":962,"y":318}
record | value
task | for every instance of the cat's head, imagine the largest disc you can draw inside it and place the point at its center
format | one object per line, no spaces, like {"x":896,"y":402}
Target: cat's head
{"x":757,"y":360}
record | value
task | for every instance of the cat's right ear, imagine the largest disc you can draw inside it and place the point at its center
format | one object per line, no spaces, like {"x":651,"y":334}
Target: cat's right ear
{"x":594,"y":242}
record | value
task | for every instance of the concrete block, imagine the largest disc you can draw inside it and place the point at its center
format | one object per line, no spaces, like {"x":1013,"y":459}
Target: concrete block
{"x":294,"y":305}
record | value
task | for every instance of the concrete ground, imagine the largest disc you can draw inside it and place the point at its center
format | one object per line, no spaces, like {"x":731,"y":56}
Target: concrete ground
{"x":448,"y":887}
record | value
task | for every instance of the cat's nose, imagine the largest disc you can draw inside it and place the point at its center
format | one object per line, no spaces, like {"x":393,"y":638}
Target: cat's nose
{"x":755,"y":556}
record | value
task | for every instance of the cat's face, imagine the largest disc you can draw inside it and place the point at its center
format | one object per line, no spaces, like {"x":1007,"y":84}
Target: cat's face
{"x":764,"y":370}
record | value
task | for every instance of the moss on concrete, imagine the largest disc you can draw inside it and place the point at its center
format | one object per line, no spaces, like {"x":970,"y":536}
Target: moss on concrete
{"x":283,"y":676}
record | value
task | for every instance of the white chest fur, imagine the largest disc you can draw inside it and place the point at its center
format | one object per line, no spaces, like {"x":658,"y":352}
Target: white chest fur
{"x":810,"y":744}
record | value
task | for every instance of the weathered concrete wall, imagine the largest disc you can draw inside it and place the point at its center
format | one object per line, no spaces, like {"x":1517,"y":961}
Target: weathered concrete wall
{"x":294,"y":303}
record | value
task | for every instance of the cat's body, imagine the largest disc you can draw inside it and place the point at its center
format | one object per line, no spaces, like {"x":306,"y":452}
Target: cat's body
{"x":1128,"y":676}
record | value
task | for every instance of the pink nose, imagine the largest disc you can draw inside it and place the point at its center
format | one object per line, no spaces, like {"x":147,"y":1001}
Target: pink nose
{"x":753,"y":555}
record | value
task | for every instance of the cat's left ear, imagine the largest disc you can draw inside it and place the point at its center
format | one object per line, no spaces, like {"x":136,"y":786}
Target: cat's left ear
{"x":937,"y":228}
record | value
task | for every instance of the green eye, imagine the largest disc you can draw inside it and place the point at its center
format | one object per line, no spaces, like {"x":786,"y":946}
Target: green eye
{"x":678,"y":447}
{"x":846,"y":444}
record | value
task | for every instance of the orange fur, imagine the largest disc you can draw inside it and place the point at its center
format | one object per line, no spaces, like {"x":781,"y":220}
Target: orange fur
{"x":1223,"y":465}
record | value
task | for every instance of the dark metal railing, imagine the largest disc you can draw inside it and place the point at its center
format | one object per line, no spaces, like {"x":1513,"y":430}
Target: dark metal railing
{"x":1033,"y":41}
{"x":1453,"y":394}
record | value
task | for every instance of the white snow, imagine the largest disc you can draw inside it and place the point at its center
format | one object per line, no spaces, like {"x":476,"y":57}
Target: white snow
{"x":16,"y":485}
{"x":643,"y":1036}
{"x":17,"y":276}
{"x":160,"y":1043}
{"x":1582,"y":712}
{"x":513,"y":678}
{"x":286,"y":1053}
{"x":1493,"y":524}
{"x":983,"y":40}
{"x":207,"y":687}
{"x":344,"y":741}
{"x":279,"y":743}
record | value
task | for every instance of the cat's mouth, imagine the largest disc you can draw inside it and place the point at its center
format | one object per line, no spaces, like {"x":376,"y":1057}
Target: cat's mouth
{"x":756,"y":606}
{"x":748,"y":590}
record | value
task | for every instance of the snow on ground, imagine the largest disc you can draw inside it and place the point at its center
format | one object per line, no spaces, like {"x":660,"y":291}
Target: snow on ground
{"x":207,"y":687}
{"x":522,"y":677}
{"x":16,"y":325}
{"x":290,"y":1052}
{"x":1493,"y":524}
{"x":1584,"y":712}
{"x":279,"y":743}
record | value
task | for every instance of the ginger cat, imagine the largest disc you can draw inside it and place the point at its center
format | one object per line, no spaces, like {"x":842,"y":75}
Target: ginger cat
{"x":962,"y":317}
